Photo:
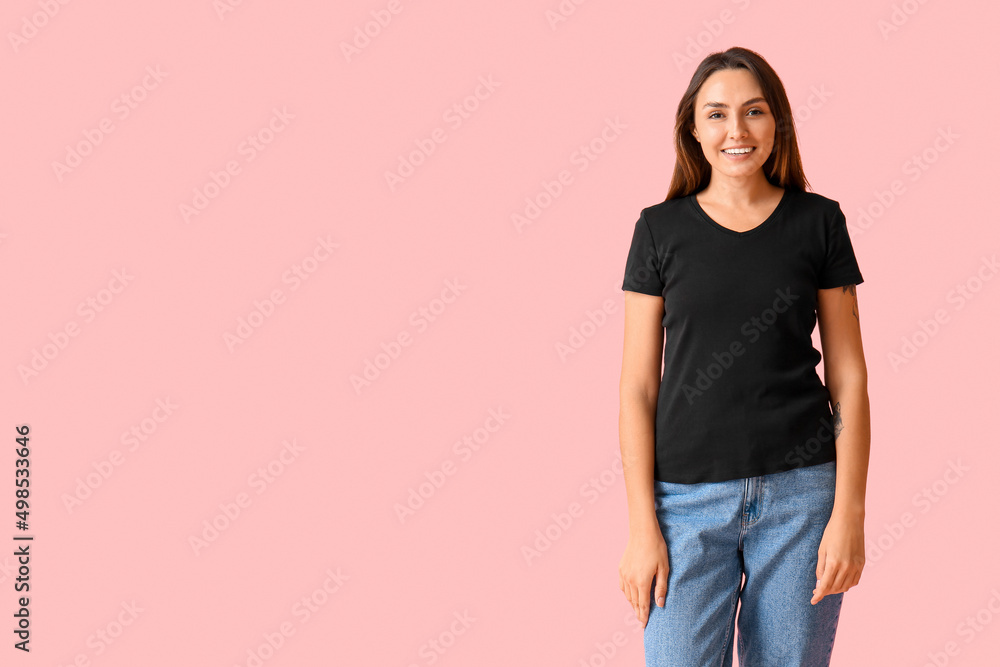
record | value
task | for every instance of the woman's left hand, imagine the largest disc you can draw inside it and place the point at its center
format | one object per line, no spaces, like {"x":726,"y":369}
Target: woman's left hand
{"x":841,"y":556}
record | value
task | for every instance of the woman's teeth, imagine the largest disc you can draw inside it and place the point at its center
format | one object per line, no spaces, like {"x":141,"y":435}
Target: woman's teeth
{"x":737,"y":151}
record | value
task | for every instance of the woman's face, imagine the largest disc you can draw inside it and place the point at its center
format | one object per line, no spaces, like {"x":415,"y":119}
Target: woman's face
{"x":730,"y":112}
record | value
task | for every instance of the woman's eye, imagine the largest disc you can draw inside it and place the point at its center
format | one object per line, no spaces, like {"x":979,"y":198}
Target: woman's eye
{"x":718,"y":113}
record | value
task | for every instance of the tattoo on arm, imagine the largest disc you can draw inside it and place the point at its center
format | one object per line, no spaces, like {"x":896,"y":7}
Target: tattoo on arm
{"x":854,"y":295}
{"x":838,"y":422}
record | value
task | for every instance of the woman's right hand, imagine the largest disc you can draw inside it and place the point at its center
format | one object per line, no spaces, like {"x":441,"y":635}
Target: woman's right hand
{"x":645,"y":557}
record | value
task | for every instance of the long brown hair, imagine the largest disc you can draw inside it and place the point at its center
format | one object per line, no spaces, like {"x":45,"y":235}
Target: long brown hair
{"x":783,"y":167}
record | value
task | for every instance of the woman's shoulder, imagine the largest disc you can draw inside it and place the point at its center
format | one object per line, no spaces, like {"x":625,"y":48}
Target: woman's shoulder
{"x":667,"y":209}
{"x":815,"y":200}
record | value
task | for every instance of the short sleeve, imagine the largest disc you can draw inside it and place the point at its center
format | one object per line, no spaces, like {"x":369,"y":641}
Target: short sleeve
{"x":840,"y":266}
{"x":642,"y":268}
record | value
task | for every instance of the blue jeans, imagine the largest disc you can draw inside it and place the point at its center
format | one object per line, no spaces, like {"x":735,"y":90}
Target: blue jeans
{"x":767,"y":528}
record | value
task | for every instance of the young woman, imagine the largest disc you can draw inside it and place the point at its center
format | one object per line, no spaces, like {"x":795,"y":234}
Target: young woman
{"x":745,"y":474}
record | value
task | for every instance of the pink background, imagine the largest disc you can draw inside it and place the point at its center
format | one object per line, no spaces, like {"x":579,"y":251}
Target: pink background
{"x":450,"y":583}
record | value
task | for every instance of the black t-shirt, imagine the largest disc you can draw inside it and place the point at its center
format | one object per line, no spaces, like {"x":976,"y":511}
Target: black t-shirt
{"x":740,"y":395}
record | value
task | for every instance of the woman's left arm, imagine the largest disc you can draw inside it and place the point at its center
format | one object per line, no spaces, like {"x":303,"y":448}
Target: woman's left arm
{"x":842,"y":550}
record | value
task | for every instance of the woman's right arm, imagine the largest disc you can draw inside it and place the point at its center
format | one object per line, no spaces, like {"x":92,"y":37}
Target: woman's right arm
{"x":642,"y":363}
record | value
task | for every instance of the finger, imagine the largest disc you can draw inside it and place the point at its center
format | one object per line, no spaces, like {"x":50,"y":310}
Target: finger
{"x":644,"y":603}
{"x":821,"y":567}
{"x":823,"y":584}
{"x":820,"y":563}
{"x":638,"y":604}
{"x":840,"y":584}
{"x":660,"y":594}
{"x":823,"y":587}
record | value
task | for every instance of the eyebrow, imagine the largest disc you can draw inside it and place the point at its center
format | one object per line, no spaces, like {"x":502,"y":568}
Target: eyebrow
{"x":720,"y":105}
